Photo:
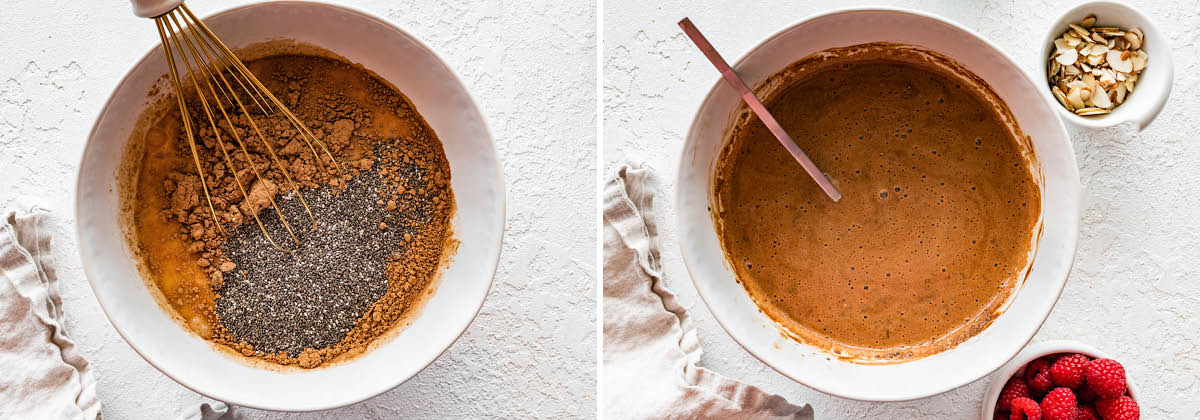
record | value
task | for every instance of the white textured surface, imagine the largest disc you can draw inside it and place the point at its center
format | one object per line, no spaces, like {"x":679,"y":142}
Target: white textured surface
{"x":530,"y":352}
{"x":1132,"y":292}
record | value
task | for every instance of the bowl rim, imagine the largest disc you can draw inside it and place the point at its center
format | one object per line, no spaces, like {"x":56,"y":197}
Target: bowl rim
{"x":1034,"y":351}
{"x":680,"y":217}
{"x":1156,"y":104}
{"x":501,"y":213}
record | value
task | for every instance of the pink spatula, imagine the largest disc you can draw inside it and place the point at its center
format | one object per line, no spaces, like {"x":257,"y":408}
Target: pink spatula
{"x":761,"y":111}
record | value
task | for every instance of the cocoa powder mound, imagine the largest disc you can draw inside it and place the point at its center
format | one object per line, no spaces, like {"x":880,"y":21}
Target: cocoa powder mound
{"x":398,"y":178}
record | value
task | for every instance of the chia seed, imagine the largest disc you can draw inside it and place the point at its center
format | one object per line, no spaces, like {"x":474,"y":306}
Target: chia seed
{"x":312,"y":297}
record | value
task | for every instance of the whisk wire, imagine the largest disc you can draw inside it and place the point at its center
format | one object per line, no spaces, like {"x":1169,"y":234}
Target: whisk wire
{"x":234,"y":98}
{"x":182,"y":32}
{"x":187,"y":122}
{"x":309,"y":138}
{"x":216,"y":131}
{"x":204,"y":69}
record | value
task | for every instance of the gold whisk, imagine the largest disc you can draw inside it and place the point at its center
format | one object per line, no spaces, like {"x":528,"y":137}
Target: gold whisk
{"x":211,"y":66}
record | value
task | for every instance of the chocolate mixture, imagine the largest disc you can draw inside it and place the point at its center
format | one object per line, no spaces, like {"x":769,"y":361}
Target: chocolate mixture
{"x":381,"y":232}
{"x":939,"y":211}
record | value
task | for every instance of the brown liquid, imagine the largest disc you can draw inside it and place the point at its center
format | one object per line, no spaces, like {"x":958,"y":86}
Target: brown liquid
{"x":939,"y":209}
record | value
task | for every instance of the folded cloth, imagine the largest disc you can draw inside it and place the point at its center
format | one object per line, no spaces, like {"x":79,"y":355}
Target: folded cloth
{"x":43,"y":375}
{"x":650,"y":345}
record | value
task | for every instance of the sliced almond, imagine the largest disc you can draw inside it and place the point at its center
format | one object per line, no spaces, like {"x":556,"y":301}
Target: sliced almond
{"x":1108,"y":31}
{"x":1121,"y":93}
{"x":1139,"y":60}
{"x":1099,"y":38}
{"x":1083,"y":33}
{"x":1138,"y":32}
{"x":1088,"y":21}
{"x":1067,"y":57}
{"x":1107,"y":78}
{"x":1119,"y":61}
{"x":1062,"y":98}
{"x":1129,"y":84}
{"x":1072,"y":38}
{"x":1090,"y":81}
{"x":1095,"y":60}
{"x":1100,"y":99}
{"x":1139,"y":63}
{"x":1133,"y":40}
{"x":1074,"y":98}
{"x":1091,"y":111}
{"x":1061,"y":45}
{"x":1098,"y":49}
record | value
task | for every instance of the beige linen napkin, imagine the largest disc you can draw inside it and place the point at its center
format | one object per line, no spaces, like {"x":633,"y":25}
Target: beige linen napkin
{"x":650,"y":345}
{"x":42,"y":374}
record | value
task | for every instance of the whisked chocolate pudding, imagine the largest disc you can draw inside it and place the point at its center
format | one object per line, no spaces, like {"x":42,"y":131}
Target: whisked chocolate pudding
{"x":940,"y":209}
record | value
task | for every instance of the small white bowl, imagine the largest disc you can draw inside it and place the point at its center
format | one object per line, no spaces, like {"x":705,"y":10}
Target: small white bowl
{"x":1153,"y":85}
{"x":970,"y":360}
{"x":1035,"y":351}
{"x":478,"y":222}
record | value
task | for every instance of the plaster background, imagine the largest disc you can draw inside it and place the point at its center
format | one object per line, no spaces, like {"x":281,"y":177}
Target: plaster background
{"x":520,"y":358}
{"x":1132,"y":291}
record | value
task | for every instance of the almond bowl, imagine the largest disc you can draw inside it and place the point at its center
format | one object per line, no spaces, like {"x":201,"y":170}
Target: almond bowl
{"x":1154,"y":83}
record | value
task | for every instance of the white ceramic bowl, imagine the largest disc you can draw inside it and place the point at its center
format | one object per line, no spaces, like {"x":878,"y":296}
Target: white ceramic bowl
{"x":1154,"y":83}
{"x":971,"y":360}
{"x":478,"y":223}
{"x":1035,"y":351}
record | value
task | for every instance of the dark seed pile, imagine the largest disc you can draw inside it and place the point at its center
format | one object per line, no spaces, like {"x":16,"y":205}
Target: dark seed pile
{"x":310,"y":298}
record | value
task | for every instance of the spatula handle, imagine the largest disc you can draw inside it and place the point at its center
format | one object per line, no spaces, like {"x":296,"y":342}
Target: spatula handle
{"x":761,"y":111}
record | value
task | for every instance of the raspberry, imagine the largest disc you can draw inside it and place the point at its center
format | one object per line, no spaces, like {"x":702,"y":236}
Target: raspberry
{"x":1015,"y":388}
{"x":1059,"y":404}
{"x":1106,"y":377}
{"x":1120,"y":408}
{"x":1068,"y":370}
{"x":1037,"y":376}
{"x":1025,"y":409}
{"x":1086,"y":412}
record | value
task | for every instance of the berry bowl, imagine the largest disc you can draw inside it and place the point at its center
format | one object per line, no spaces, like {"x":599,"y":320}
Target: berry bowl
{"x":1033,"y":352}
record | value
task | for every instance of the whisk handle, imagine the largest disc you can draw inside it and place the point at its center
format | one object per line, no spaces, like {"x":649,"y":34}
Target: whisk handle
{"x":153,"y":8}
